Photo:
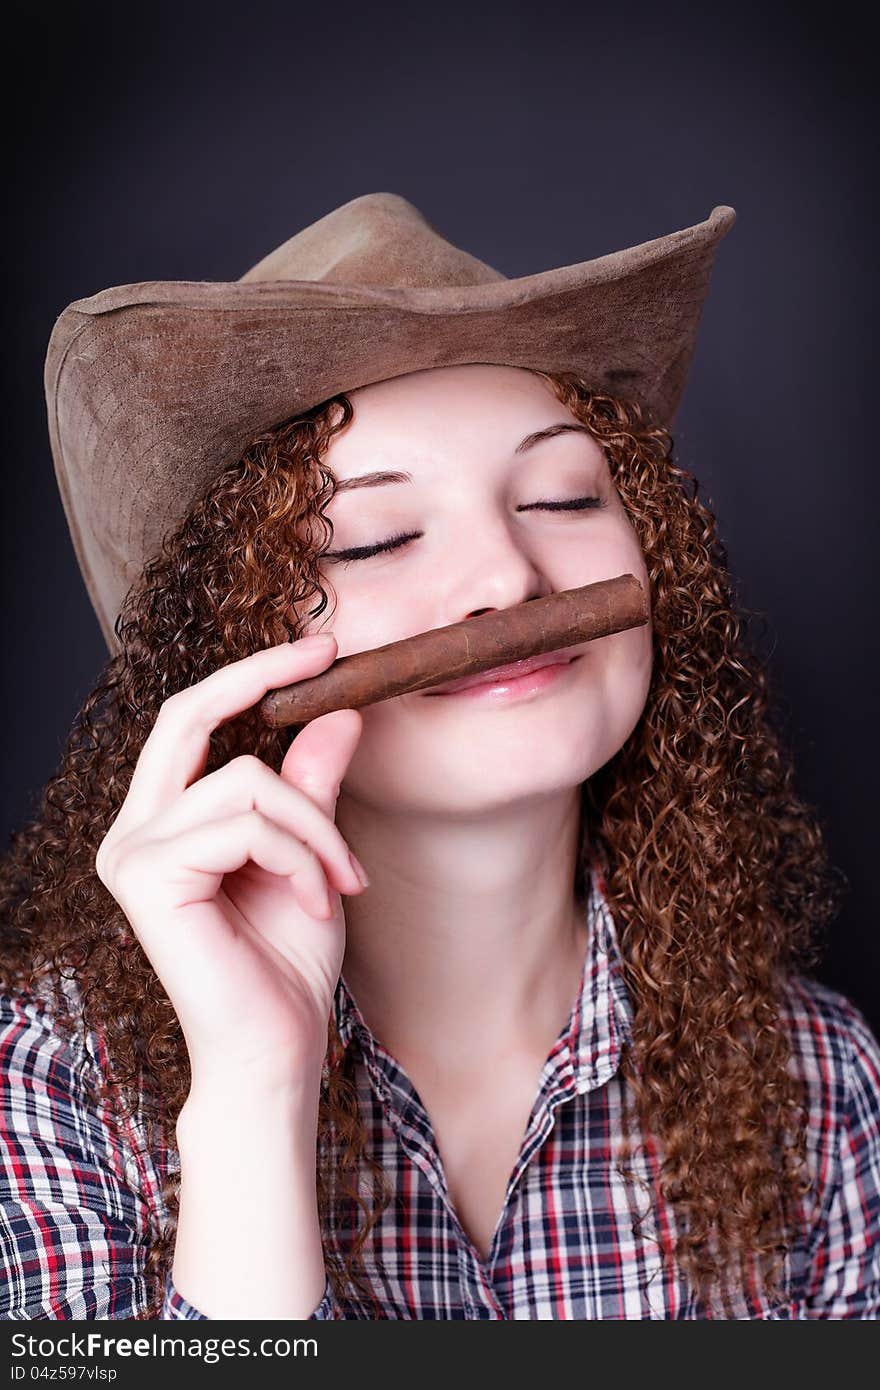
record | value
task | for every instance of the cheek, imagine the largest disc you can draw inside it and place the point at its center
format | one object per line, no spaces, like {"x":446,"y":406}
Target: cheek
{"x":362,"y":616}
{"x":615,"y":681}
{"x":602,"y":554}
{"x":622,"y":552}
{"x":635,"y":680}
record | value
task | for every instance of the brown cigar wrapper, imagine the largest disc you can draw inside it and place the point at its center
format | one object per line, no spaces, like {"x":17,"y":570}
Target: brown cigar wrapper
{"x":462,"y":649}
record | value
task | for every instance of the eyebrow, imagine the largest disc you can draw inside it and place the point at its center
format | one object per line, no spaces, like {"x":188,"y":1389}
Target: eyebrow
{"x":383,"y":479}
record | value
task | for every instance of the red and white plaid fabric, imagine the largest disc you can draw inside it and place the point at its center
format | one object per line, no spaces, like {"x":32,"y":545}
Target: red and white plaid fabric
{"x":80,"y":1192}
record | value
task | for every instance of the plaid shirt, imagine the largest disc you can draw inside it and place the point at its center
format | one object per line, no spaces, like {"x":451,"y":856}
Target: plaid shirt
{"x":80,"y":1192}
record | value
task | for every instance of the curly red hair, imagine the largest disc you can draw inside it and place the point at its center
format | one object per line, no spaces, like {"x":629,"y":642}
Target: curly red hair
{"x":715,"y":872}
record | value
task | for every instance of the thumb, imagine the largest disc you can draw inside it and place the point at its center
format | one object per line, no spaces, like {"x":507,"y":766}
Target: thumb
{"x":318,"y":757}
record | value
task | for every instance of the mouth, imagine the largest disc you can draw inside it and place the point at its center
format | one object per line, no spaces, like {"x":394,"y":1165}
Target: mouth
{"x":499,"y":674}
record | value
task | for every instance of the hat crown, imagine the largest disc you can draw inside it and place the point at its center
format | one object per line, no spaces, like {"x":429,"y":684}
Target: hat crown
{"x":154,"y":388}
{"x":379,"y":239}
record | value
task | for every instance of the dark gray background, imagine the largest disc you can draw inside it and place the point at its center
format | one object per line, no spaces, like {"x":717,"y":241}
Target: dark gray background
{"x":184,"y":142}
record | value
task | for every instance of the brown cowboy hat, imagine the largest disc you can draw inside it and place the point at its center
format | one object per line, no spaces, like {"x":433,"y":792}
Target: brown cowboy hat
{"x":153,"y":389}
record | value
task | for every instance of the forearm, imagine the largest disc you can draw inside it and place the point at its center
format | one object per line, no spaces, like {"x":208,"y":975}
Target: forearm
{"x":248,"y":1237}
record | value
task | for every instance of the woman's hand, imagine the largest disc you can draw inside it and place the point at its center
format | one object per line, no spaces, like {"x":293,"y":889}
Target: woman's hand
{"x":231,"y":882}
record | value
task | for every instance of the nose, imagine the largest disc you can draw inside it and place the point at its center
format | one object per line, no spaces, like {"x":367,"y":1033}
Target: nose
{"x":495,"y":572}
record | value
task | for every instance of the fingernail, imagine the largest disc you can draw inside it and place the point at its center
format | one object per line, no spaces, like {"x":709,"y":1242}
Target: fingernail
{"x":315,"y":639}
{"x":359,"y":870}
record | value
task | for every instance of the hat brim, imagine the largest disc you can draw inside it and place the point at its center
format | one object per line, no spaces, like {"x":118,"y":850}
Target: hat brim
{"x":153,"y":389}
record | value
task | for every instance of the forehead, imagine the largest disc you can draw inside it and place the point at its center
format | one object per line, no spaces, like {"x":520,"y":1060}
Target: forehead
{"x":466,"y":387}
{"x":448,"y":411}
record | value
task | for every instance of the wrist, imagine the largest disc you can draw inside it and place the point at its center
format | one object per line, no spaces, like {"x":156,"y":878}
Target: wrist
{"x":235,"y":1105}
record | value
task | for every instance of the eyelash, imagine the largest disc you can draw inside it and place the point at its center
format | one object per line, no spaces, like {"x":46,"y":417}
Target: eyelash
{"x":365,"y":552}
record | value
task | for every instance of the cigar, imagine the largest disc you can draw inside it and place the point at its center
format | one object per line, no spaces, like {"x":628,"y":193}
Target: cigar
{"x":462,"y":649}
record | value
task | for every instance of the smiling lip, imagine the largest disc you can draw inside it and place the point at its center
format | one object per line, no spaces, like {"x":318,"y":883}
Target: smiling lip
{"x":499,"y":674}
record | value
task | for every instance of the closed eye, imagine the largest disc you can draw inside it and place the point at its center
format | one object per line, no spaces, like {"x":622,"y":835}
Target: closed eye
{"x":364,"y":552}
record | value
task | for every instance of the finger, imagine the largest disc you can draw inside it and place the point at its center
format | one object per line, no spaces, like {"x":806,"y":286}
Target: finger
{"x":318,"y":758}
{"x":175,"y":752}
{"x":246,"y":783}
{"x":167,"y":875}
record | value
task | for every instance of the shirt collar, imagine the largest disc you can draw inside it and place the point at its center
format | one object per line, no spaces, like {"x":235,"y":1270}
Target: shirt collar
{"x":588,"y":1047}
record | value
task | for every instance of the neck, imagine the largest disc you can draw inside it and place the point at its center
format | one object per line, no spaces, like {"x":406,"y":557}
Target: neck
{"x":469,"y":942}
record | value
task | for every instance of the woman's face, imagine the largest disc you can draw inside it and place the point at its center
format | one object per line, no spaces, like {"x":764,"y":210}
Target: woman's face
{"x":479,"y":543}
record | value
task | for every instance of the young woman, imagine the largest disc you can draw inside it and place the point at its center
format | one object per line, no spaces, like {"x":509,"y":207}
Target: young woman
{"x":556,"y":1053}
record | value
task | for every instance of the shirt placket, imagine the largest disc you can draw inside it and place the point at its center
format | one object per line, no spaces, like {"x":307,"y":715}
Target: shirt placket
{"x":411,"y":1123}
